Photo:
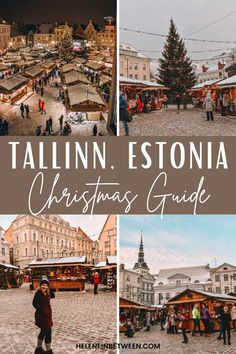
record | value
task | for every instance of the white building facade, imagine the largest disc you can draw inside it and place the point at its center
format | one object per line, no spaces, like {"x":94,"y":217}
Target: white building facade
{"x":134,"y":64}
{"x":224,"y":279}
{"x":171,"y":282}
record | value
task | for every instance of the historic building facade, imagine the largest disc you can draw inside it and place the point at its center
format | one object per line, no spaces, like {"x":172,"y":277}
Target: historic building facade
{"x":108,"y":239}
{"x":171,"y":282}
{"x":224,"y":279}
{"x":90,"y":32}
{"x":134,"y":64}
{"x":5,"y":35}
{"x":60,"y":31}
{"x":4,"y":248}
{"x":107,"y":36}
{"x":47,"y":236}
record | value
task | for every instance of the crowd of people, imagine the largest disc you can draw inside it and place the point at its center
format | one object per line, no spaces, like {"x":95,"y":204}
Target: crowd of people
{"x":173,"y":321}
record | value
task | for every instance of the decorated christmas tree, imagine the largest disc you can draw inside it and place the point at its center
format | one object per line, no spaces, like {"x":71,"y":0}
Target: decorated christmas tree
{"x":66,"y":50}
{"x":175,"y":71}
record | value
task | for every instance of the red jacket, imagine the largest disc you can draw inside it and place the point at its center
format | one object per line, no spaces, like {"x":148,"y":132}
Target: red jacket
{"x":96,"y":279}
{"x":184,"y":320}
{"x":43,"y":313}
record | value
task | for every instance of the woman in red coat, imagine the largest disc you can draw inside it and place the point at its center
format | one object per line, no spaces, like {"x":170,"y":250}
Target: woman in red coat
{"x":43,"y":316}
{"x":184,"y":325}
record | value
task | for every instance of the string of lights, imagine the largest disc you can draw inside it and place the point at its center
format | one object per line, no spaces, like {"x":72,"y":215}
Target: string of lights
{"x":212,"y":23}
{"x":165,"y":36}
{"x":191,"y":51}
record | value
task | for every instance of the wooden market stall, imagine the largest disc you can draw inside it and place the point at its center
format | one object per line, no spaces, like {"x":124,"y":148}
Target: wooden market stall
{"x":229,"y":85}
{"x":135,"y":89}
{"x":75,"y":77}
{"x":188,"y":298}
{"x":199,"y":92}
{"x":13,"y":88}
{"x":10,"y":276}
{"x":34,"y":72}
{"x":84,"y":98}
{"x":66,"y":273}
{"x":108,"y":272}
{"x":134,"y":311}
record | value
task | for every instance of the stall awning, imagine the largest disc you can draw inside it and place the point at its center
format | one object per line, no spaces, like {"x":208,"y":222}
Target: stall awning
{"x":186,"y":301}
{"x":123,"y":306}
{"x":63,"y":261}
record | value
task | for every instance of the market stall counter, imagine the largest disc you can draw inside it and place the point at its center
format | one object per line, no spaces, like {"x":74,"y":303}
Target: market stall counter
{"x":10,"y":276}
{"x":66,"y":273}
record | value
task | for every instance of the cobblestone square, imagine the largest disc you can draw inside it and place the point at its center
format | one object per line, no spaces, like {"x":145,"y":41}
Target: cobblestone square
{"x":172,"y":343}
{"x":78,"y":318}
{"x":171,"y":122}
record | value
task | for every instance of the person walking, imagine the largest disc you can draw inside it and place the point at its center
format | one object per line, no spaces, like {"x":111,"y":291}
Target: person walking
{"x":43,"y":316}
{"x":43,"y":107}
{"x":96,"y":281}
{"x":178,"y":101}
{"x":50,"y":123}
{"x":40,"y":105}
{"x":124,"y":114}
{"x":185,"y":101}
{"x":206,"y":320}
{"x":219,"y":313}
{"x":226,"y":102}
{"x":184,"y":325}
{"x":148,"y":319}
{"x":208,"y":105}
{"x":95,"y":130}
{"x":233,"y":317}
{"x":22,"y":109}
{"x":196,"y":320}
{"x":61,"y":119}
{"x":27,"y":110}
{"x":226,"y":319}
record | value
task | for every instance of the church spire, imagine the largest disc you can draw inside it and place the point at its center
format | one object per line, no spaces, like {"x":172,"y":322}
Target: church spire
{"x":141,"y":264}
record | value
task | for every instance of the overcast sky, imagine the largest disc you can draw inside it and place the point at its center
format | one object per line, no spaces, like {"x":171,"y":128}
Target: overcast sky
{"x":91,"y":227}
{"x":154,"y":16}
{"x":178,"y":240}
{"x":75,"y":11}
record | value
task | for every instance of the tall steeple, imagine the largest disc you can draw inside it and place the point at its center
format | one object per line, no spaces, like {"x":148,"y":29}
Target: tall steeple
{"x":141,"y":265}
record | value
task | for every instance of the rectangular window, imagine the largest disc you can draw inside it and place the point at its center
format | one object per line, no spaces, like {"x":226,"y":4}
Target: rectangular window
{"x":226,"y":289}
{"x":226,"y":277}
{"x":234,"y":276}
{"x":217,"y":278}
{"x":218,"y":290}
{"x":167,"y":296}
{"x":3,"y":251}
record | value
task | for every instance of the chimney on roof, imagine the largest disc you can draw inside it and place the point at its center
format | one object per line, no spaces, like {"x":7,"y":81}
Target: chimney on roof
{"x":221,"y":65}
{"x":204,"y":68}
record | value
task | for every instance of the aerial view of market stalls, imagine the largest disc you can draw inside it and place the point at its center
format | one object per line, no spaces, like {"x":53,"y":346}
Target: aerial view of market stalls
{"x":57,"y":79}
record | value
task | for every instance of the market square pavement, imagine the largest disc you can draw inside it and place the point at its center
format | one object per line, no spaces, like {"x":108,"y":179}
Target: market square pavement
{"x":78,"y":318}
{"x":172,"y":343}
{"x":171,"y":122}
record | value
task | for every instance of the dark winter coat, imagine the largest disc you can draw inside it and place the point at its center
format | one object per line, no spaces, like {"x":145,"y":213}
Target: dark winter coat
{"x":43,"y":313}
{"x":225,"y":319}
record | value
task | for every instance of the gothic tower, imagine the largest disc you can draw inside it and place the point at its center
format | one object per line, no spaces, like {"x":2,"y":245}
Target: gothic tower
{"x":141,"y":266}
